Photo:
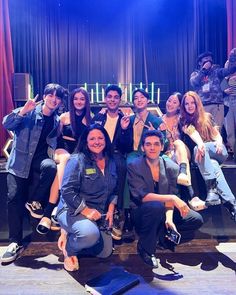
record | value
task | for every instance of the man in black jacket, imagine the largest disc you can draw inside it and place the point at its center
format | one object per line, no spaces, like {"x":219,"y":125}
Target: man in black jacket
{"x":120,"y":132}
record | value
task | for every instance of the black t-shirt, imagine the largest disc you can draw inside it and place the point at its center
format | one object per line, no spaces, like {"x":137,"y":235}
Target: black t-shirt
{"x":42,"y":147}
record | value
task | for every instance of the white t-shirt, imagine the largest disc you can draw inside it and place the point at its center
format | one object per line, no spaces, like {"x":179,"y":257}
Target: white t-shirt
{"x":110,"y":126}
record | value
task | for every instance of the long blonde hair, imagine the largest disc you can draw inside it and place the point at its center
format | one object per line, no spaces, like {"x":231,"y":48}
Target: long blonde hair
{"x":200,"y":119}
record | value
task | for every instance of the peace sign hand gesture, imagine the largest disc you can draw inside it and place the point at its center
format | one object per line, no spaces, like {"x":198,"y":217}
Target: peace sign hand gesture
{"x":29,"y":106}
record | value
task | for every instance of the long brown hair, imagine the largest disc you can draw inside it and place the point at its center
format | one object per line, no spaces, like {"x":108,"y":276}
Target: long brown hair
{"x":72,"y":110}
{"x":200,"y":119}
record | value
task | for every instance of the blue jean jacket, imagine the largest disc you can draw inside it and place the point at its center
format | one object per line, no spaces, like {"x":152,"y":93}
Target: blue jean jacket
{"x":27,"y":130}
{"x":84,"y":185}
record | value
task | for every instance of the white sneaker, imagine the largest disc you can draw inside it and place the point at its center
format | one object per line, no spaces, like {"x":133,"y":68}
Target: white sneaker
{"x":11,"y":253}
{"x":183,"y":179}
{"x":197,"y":204}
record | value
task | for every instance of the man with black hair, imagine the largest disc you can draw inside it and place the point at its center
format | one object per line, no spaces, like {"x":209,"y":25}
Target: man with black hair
{"x":206,"y":79}
{"x":120,"y":132}
{"x":156,"y":206}
{"x":31,"y":169}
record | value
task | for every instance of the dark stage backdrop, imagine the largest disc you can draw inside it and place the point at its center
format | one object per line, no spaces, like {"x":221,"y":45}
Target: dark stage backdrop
{"x":77,"y":41}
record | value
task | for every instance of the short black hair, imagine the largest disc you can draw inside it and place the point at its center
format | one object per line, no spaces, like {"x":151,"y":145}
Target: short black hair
{"x":141,"y":90}
{"x":149,"y":133}
{"x":113,"y":88}
{"x":82,"y":144}
{"x":52,"y":88}
{"x":204,"y":54}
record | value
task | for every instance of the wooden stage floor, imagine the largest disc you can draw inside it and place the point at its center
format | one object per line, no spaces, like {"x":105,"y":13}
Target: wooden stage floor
{"x":198,"y":267}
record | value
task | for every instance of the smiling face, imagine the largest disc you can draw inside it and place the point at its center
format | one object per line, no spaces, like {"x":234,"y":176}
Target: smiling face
{"x":112,"y":100}
{"x":172,"y":105}
{"x":51,"y":103}
{"x":152,"y":147}
{"x":189,"y":105}
{"x":140,"y":101}
{"x":96,"y":142}
{"x":79,"y":102}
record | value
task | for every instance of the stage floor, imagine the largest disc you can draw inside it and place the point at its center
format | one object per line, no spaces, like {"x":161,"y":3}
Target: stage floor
{"x":199,"y":267}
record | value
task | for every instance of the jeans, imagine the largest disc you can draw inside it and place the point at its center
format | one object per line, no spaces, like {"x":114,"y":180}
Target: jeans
{"x":34,"y":188}
{"x":210,"y":168}
{"x":84,"y":236}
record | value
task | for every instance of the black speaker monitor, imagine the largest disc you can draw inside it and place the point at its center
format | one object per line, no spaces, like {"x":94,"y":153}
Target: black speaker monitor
{"x":21,"y":86}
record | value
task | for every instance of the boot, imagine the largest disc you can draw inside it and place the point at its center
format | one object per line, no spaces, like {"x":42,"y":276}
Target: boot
{"x":213,"y":193}
{"x":231,"y":207}
{"x":128,"y":234}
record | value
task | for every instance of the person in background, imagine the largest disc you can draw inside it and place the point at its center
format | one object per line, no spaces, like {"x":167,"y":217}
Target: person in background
{"x":72,"y":125}
{"x":205,"y":81}
{"x":88,"y":198}
{"x":204,"y":141}
{"x":31,"y":170}
{"x":120,"y":133}
{"x":156,"y":207}
{"x":228,"y":85}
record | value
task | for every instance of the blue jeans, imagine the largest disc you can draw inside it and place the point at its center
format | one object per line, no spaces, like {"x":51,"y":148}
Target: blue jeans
{"x":84,"y":236}
{"x":210,"y":168}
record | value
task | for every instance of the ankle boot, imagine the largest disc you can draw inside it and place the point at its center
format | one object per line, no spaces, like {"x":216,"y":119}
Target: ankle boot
{"x":231,"y":207}
{"x":213,"y":193}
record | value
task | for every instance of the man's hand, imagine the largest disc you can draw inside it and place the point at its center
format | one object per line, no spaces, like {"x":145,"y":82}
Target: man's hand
{"x":207,"y":65}
{"x":29,"y":106}
{"x":181,"y":206}
{"x":124,"y":122}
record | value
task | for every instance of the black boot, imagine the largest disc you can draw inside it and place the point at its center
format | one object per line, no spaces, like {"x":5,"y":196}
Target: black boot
{"x":128,"y":234}
{"x":231,"y":207}
{"x":213,"y":193}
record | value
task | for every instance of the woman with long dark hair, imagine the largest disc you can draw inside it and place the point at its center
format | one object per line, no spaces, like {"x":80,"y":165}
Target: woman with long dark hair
{"x":72,"y":125}
{"x":88,"y":193}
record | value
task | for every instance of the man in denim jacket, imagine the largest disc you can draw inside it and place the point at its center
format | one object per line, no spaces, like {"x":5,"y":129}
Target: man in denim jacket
{"x":31,"y":171}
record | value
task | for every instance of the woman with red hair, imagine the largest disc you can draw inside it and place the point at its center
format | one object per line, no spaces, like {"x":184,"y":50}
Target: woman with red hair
{"x":205,"y":143}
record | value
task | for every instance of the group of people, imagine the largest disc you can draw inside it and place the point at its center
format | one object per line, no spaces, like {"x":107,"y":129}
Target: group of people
{"x":83,"y":165}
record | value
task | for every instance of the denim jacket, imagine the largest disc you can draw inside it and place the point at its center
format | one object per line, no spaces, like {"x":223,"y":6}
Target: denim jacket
{"x":27,"y":130}
{"x":85,"y":185}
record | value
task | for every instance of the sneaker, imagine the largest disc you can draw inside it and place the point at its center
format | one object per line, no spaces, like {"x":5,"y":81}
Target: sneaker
{"x":35,"y":209}
{"x":54,"y":218}
{"x":149,"y":259}
{"x":44,"y":226}
{"x":183,"y":179}
{"x":116,"y":232}
{"x":197,"y":204}
{"x":11,"y":253}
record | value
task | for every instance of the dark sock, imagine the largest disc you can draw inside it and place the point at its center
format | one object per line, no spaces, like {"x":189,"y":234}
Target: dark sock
{"x":48,"y":210}
{"x":183,"y":168}
{"x":190,"y":191}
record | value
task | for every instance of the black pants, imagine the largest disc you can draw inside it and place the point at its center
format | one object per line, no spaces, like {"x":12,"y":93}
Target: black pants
{"x":121,"y":170}
{"x":149,"y":222}
{"x":34,"y":188}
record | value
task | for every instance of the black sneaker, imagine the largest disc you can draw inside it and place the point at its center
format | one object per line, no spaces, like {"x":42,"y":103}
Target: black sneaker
{"x":11,"y":253}
{"x":35,"y":209}
{"x":149,"y":259}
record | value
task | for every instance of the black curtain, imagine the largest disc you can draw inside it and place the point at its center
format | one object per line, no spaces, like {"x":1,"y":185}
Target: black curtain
{"x":72,"y":42}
